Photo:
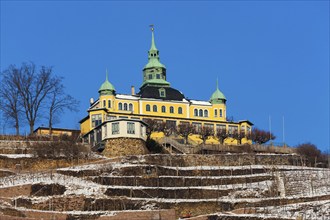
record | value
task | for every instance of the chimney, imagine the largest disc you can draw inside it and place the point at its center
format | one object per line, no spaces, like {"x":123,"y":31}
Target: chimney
{"x":91,"y":101}
{"x":132,"y":90}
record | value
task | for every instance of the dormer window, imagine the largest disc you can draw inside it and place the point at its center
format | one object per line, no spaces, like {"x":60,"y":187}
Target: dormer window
{"x":162,"y":93}
{"x":150,"y":76}
{"x":158,"y":76}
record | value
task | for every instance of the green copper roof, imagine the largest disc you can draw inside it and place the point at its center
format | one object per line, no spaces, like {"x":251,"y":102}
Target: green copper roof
{"x":217,"y":97}
{"x":154,"y":63}
{"x":106,"y":87}
{"x":160,"y":82}
{"x":153,"y":45}
{"x":153,"y":53}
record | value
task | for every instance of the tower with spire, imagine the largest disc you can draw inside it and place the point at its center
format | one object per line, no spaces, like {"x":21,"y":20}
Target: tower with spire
{"x":218,"y":97}
{"x":154,"y":72}
{"x":107,"y":88}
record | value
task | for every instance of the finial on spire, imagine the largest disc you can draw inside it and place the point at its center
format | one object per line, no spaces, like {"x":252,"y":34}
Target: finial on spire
{"x":217,"y":83}
{"x":153,"y":45}
{"x":152,"y":27}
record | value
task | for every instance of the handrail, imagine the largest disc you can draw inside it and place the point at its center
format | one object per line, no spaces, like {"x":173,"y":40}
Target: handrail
{"x":181,"y":147}
{"x":193,"y":149}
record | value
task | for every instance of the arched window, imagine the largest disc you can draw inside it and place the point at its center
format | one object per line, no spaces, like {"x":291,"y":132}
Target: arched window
{"x":163,"y":109}
{"x":215,"y":113}
{"x":171,"y":109}
{"x":200,"y":113}
{"x":130,"y":107}
{"x":220,"y":113}
{"x":180,"y":110}
{"x":109,"y":103}
{"x":206,"y":113}
{"x":195,"y":112}
{"x":104,"y":103}
{"x":154,"y":108}
{"x":148,"y":108}
{"x":125,"y":106}
{"x":120,"y":106}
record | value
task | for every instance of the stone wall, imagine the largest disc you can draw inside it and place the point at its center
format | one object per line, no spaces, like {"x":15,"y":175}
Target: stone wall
{"x":13,"y":214}
{"x":237,"y":159}
{"x":124,"y":146}
{"x":37,"y":164}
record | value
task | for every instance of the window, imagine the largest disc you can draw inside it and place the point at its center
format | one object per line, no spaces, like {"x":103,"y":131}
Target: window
{"x":111,"y":117}
{"x":120,"y":106}
{"x":195,"y":112}
{"x":150,"y":76}
{"x":148,"y":108}
{"x":163,"y":109}
{"x":125,"y":106}
{"x":171,"y":124}
{"x":130,"y":128}
{"x":220,"y":113}
{"x":109,"y":103}
{"x":180,"y":110}
{"x":197,"y":126}
{"x":215,"y":113}
{"x":96,"y":120}
{"x":154,"y":108}
{"x":104,"y":103}
{"x":130,"y":107}
{"x":115,"y":128}
{"x":206,"y":113}
{"x":243,"y":129}
{"x":157,"y":76}
{"x":162,"y":92}
{"x":200,"y":113}
{"x":211,"y":126}
{"x":232,"y":129}
{"x":221,"y":127}
{"x":171,"y":109}
{"x":248,"y":129}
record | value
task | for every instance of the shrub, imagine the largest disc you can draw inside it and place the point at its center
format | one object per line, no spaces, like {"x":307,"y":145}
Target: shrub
{"x":153,"y":146}
{"x":60,"y":149}
{"x":309,"y":152}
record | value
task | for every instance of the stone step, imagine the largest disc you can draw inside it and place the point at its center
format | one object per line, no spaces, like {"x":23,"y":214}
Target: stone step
{"x":169,"y":193}
{"x":187,"y":171}
{"x":178,"y":181}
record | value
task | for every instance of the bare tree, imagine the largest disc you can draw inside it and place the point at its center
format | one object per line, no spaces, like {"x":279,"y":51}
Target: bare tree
{"x":221,"y":135}
{"x":260,"y":136}
{"x":153,"y":126}
{"x":310,"y":152}
{"x":58,"y":102}
{"x":27,"y":90}
{"x":185,"y":129}
{"x":166,"y":129}
{"x":205,"y":132}
{"x":33,"y":87}
{"x":10,"y":103}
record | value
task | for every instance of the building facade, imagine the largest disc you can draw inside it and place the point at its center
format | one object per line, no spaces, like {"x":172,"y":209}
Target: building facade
{"x":45,"y":131}
{"x":159,"y":101}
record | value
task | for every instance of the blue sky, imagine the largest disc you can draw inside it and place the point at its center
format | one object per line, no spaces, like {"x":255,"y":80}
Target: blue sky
{"x":271,"y":57}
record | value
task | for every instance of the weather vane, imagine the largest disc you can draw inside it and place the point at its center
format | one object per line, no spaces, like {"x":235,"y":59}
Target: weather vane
{"x":152,"y":27}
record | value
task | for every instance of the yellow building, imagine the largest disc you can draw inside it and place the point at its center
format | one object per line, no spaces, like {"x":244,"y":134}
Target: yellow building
{"x":44,"y":131}
{"x":158,"y":100}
